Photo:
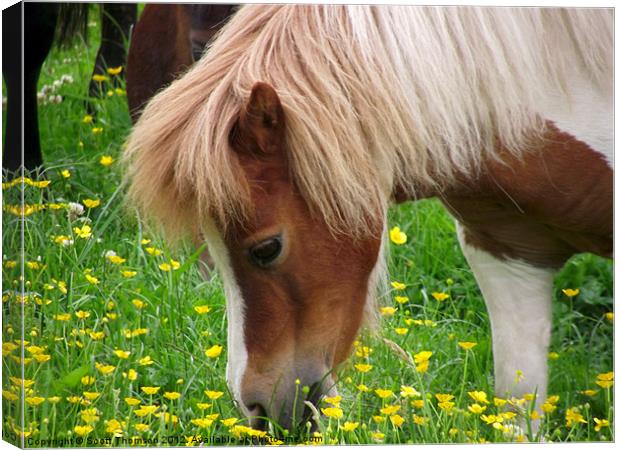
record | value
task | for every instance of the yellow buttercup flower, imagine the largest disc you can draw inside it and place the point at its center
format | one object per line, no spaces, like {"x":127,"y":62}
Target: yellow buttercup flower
{"x":398,"y":285}
{"x":467,"y":345}
{"x":214,"y":351}
{"x":422,"y":360}
{"x":349,"y":426}
{"x":97,"y":130}
{"x":122,"y":354}
{"x":229,"y":422}
{"x":440,"y":296}
{"x":214,"y":395}
{"x":84,"y":232}
{"x":388,"y":311}
{"x":400,"y":299}
{"x":139,"y":304}
{"x":82,"y":314}
{"x":363,"y":367}
{"x":573,"y":417}
{"x":172,"y":395}
{"x":408,"y":391}
{"x":82,"y":430}
{"x":334,"y":401}
{"x":202,"y":309}
{"x":115,"y":70}
{"x":106,"y":160}
{"x":476,"y":408}
{"x":91,"y":203}
{"x":128,"y":273}
{"x":146,"y":361}
{"x":332,"y":413}
{"x":99,"y":78}
{"x":600,"y":423}
{"x":150,"y":390}
{"x":390,"y":410}
{"x":397,"y":236}
{"x":478,"y":396}
{"x":91,"y":279}
{"x":605,"y":380}
{"x":571,"y":292}
{"x":115,"y":259}
{"x":132,"y":401}
{"x":384,"y":393}
{"x":397,"y":420}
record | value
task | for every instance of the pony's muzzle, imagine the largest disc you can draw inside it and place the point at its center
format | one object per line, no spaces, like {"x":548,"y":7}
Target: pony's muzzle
{"x":286,"y":407}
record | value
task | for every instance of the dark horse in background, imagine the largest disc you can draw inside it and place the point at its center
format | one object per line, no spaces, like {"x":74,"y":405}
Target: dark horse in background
{"x":44,"y":24}
{"x":167,"y":40}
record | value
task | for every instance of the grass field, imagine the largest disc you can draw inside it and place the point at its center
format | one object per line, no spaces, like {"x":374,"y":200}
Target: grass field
{"x":118,"y":326}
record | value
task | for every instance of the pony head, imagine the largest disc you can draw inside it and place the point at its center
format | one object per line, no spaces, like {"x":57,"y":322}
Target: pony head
{"x":295,"y":290}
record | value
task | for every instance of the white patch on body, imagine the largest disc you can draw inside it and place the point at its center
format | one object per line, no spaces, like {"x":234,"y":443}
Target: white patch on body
{"x":235,"y":306}
{"x":587,"y":114}
{"x":518,"y":300}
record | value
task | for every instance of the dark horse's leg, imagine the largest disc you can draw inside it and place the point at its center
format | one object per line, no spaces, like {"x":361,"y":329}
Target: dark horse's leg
{"x":39,"y":26}
{"x":116,"y":22}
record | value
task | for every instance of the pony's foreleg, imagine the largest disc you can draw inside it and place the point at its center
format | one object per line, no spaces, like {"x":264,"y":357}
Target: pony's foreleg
{"x":518,"y":300}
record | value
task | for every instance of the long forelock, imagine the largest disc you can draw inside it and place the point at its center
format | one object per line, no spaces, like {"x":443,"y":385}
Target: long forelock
{"x":373,"y":97}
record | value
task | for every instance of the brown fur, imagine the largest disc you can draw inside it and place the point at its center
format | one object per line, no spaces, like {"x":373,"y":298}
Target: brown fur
{"x":554,"y":202}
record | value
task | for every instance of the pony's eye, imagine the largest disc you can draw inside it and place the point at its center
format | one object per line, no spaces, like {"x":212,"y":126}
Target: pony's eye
{"x":266,"y":252}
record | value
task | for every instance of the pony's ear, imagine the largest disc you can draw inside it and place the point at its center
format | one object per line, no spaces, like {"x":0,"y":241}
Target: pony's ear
{"x":260,"y":126}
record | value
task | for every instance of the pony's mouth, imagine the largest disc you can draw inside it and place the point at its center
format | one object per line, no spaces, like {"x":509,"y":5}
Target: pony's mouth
{"x":258,"y":417}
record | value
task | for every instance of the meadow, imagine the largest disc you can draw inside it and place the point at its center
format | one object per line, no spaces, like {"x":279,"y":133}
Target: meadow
{"x":125,"y":342}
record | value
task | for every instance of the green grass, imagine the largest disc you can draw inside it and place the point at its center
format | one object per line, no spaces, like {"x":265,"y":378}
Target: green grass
{"x":177,"y":335}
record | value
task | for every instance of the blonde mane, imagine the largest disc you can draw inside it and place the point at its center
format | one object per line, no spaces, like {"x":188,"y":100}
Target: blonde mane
{"x":374,"y":97}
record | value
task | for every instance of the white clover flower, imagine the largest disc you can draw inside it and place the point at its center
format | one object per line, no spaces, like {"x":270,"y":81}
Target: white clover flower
{"x":74,"y":211}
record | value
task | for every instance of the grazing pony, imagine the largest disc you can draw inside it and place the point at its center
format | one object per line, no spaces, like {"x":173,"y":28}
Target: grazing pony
{"x":285,"y":144}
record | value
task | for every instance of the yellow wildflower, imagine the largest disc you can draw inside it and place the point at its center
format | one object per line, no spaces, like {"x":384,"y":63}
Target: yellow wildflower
{"x":202,"y":309}
{"x":106,"y":160}
{"x":87,"y":380}
{"x":82,"y":314}
{"x":105,"y":369}
{"x":229,"y":422}
{"x":150,"y":390}
{"x":349,"y":426}
{"x":82,"y":430}
{"x":115,"y":259}
{"x":571,"y":292}
{"x":408,"y":391}
{"x":467,"y":345}
{"x":589,"y":392}
{"x":419,"y":420}
{"x":172,"y":395}
{"x":122,"y":354}
{"x":440,"y":296}
{"x":115,"y":70}
{"x":91,"y":395}
{"x":145,"y":410}
{"x":422,"y":360}
{"x":153,"y":251}
{"x":600,"y":423}
{"x":128,"y":273}
{"x":214,"y":351}
{"x":384,"y":393}
{"x":99,"y":78}
{"x":97,"y":130}
{"x":146,"y":361}
{"x":397,"y":236}
{"x":573,"y":417}
{"x":609,"y":316}
{"x":214,"y":395}
{"x":332,"y":413}
{"x":400,"y":299}
{"x":377,"y":436}
{"x":476,"y":408}
{"x":85,"y":232}
{"x":390,"y":410}
{"x":478,"y":396}
{"x":91,"y":203}
{"x":362,"y":388}
{"x":397,"y":420}
{"x":388,"y":311}
{"x":132,"y":401}
{"x":139,"y":304}
{"x":605,"y":380}
{"x":398,"y":286}
{"x":334,"y":401}
{"x":34,"y":401}
{"x":363,"y":367}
